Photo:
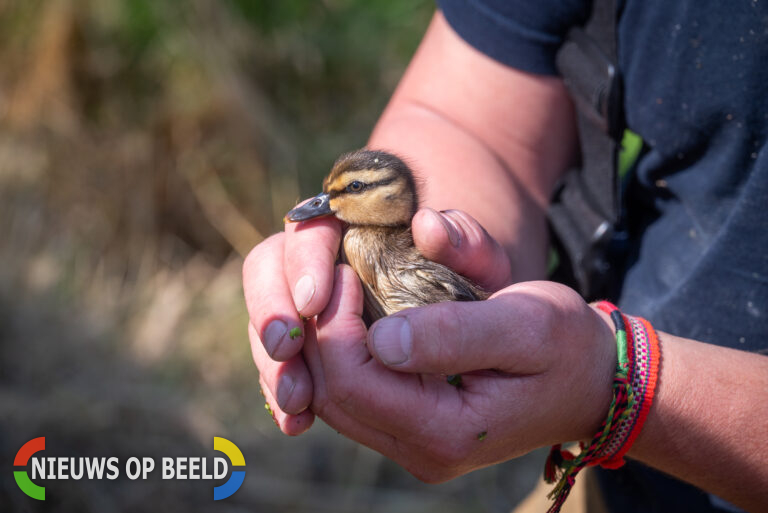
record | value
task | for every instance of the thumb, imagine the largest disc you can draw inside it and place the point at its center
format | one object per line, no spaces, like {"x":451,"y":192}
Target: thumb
{"x":509,"y":332}
{"x":455,"y":239}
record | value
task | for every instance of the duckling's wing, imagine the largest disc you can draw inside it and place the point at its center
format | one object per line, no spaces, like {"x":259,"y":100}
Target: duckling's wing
{"x":395,"y":276}
{"x":392,"y":284}
{"x":426,"y":282}
{"x":373,"y":308}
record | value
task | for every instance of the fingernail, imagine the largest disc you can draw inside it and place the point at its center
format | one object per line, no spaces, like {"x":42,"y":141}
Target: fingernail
{"x":284,"y":390}
{"x":274,"y":336}
{"x":450,"y":228}
{"x":392,"y":340}
{"x":304,"y":291}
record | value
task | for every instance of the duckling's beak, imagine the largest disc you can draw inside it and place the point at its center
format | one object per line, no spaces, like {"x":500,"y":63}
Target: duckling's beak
{"x":316,"y":207}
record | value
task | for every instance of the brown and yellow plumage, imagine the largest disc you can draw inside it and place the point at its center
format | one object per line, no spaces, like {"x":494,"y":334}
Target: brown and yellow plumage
{"x":375,"y":193}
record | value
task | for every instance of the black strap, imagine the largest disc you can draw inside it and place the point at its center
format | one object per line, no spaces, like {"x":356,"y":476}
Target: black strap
{"x":586,"y":205}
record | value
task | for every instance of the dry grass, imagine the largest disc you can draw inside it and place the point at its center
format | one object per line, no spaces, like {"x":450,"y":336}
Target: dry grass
{"x":144,"y":148}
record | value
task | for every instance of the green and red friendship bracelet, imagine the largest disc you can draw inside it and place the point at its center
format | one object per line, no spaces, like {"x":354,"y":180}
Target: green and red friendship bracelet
{"x":634,"y":384}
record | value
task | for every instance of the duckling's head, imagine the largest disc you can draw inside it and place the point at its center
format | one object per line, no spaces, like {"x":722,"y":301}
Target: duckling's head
{"x":364,"y":187}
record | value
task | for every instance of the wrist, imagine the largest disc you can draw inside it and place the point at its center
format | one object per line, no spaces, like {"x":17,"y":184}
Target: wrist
{"x":638,"y":366}
{"x":634,"y":385}
{"x":603,"y":368}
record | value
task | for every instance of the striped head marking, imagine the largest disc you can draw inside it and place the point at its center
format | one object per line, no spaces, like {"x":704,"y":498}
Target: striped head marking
{"x":371,"y":188}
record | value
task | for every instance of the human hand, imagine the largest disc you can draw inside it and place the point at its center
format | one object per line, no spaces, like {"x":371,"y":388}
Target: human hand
{"x":292,"y":273}
{"x":536,"y":362}
{"x":288,"y":275}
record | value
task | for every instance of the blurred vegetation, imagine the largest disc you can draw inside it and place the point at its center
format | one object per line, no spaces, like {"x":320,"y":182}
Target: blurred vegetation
{"x":145,"y":146}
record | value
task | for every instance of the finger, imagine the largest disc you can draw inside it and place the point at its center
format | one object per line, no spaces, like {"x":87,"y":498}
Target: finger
{"x":269,"y":301}
{"x":510,"y":332}
{"x":325,"y":405}
{"x":404,"y":405}
{"x":291,"y":425}
{"x":310,"y":254}
{"x":342,"y":319}
{"x":288,"y":382}
{"x":332,"y":414}
{"x":456,"y":240}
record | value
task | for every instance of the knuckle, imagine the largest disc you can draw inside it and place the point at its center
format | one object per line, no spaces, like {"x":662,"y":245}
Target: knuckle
{"x":311,"y":240}
{"x":254,"y":257}
{"x":446,"y":319}
{"x":541,"y":315}
{"x":450,"y":324}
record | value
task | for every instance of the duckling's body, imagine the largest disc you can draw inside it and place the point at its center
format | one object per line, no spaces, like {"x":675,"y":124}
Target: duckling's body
{"x":396,"y":276}
{"x":375,"y":193}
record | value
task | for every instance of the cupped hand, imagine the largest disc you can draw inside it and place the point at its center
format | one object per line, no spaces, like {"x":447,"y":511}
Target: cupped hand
{"x":288,"y":275}
{"x":536,"y":364}
{"x":292,"y":274}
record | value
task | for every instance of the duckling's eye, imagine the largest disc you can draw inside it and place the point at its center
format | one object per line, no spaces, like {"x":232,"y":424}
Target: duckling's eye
{"x":355,"y":186}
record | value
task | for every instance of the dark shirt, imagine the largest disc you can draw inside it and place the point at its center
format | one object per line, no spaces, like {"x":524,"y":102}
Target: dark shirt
{"x":696,"y":90}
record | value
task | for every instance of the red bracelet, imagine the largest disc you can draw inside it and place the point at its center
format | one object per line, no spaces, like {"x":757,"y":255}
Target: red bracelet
{"x":634,"y":384}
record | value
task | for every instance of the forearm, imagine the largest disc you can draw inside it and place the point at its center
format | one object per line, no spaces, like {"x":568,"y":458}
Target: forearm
{"x":494,"y":151}
{"x":458,"y":172}
{"x":709,"y":421}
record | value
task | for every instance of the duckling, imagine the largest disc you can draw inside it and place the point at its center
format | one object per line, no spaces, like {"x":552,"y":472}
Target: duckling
{"x":374,"y":192}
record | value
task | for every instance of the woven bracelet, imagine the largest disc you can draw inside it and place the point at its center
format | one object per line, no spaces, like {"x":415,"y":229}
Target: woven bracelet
{"x":643,"y":373}
{"x":634,"y":383}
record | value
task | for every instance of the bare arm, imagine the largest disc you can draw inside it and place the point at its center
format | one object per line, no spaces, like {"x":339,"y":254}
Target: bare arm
{"x":709,"y":422}
{"x":509,"y":140}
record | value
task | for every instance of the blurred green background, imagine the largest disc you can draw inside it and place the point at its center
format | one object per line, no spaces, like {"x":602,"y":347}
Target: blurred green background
{"x":145,"y":147}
